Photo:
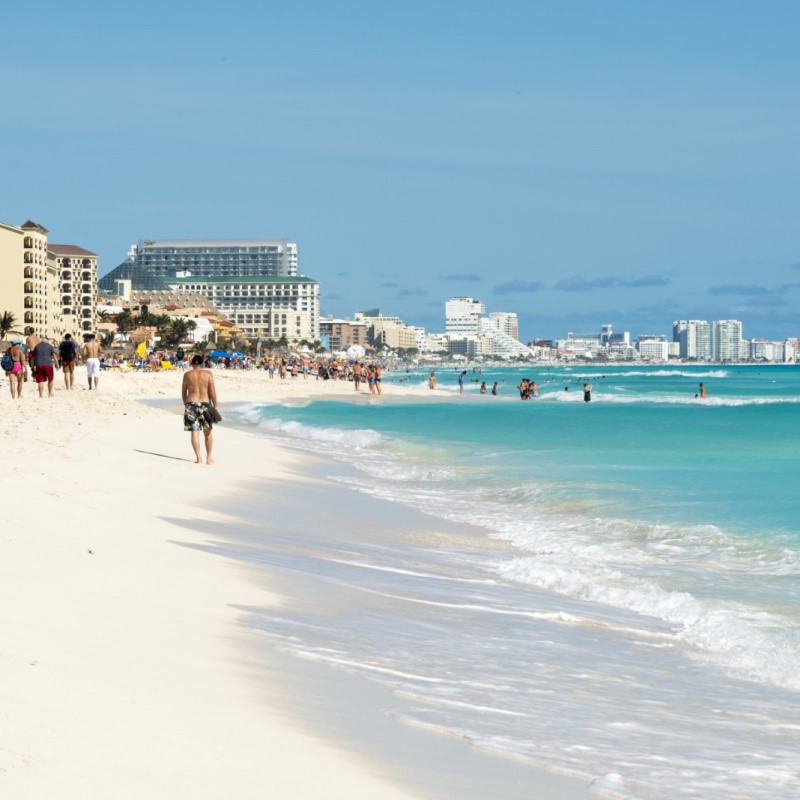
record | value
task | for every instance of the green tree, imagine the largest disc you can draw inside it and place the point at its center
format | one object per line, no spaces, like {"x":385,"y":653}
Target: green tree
{"x":7,"y":323}
{"x":125,"y":321}
{"x":176,"y":331}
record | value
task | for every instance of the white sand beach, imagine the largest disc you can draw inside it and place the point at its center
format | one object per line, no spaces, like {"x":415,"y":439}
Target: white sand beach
{"x":126,"y":672}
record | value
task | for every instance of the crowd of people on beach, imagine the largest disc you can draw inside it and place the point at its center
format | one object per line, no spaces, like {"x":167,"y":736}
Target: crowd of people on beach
{"x":41,"y":358}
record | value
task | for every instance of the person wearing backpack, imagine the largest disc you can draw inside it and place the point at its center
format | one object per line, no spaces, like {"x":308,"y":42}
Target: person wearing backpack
{"x":16,"y":374}
{"x":67,"y":355}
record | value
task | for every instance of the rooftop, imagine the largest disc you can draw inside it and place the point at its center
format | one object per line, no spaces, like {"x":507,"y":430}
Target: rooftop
{"x":239,"y":279}
{"x":147,"y":243}
{"x":69,"y":250}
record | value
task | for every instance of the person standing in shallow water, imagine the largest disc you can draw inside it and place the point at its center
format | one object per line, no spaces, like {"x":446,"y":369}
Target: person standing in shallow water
{"x":432,"y":380}
{"x":198,"y":393}
{"x":587,"y":393}
{"x":702,"y":391}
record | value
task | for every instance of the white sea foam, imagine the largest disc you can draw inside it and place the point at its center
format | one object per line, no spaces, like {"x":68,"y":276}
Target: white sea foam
{"x":355,"y":439}
{"x":612,"y":397}
{"x":664,"y":373}
{"x":608,"y":561}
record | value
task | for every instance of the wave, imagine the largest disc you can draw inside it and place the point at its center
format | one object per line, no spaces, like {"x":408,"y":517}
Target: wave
{"x":353,"y":439}
{"x":669,"y":399}
{"x":623,"y":564}
{"x":678,"y":373}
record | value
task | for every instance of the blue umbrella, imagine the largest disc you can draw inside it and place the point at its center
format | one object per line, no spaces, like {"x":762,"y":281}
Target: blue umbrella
{"x":219,"y":354}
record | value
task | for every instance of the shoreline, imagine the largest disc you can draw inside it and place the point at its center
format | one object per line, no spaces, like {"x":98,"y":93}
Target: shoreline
{"x":127,"y":670}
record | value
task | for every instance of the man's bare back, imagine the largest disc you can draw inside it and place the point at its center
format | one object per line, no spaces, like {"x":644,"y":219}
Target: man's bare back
{"x":92,"y":349}
{"x":198,"y":386}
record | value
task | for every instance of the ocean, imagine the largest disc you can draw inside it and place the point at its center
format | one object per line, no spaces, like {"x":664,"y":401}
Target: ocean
{"x":624,"y":605}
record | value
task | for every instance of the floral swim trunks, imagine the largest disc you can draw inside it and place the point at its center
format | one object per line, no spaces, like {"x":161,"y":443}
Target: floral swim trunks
{"x":194,"y":417}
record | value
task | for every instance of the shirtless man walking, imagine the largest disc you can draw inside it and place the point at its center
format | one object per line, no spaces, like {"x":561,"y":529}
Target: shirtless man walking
{"x":198,"y":393}
{"x":91,"y":355}
{"x":31,"y":340}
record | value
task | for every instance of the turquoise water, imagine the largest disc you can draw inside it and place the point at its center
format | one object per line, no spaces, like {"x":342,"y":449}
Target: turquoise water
{"x":649,"y":533}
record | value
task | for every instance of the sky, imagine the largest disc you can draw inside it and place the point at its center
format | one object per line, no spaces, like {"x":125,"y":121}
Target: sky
{"x":580,"y":163}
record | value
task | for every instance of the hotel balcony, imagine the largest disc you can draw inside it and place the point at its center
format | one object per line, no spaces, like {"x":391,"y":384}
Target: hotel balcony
{"x":28,"y":287}
{"x":28,"y":302}
{"x":66,"y":300}
{"x":28,"y":272}
{"x":29,"y":316}
{"x":86,"y":276}
{"x":27,"y":243}
{"x":87,"y":313}
{"x":66,"y":275}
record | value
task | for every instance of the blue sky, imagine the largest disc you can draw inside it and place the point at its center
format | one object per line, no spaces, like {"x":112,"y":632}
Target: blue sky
{"x":577,"y":162}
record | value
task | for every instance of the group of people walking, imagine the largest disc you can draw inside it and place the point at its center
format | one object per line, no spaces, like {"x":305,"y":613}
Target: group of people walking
{"x":42,"y":358}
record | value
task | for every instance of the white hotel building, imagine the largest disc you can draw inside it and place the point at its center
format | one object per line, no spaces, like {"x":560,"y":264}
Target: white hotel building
{"x":263,"y":307}
{"x":470,"y":333}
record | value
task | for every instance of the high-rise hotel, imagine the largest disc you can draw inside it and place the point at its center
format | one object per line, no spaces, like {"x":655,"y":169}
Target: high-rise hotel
{"x":719,"y":341}
{"x":254,"y":282}
{"x":152,"y":261}
{"x":48,"y":287}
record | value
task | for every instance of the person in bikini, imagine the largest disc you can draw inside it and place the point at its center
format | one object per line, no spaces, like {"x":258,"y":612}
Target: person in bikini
{"x":17,"y":375}
{"x":198,"y":393}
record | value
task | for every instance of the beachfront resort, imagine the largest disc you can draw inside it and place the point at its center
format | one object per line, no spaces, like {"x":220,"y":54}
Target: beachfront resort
{"x":248,"y":295}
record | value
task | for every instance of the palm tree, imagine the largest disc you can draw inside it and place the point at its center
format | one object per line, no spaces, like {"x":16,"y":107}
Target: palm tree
{"x":124,"y":321}
{"x":176,"y":331}
{"x":7,"y":323}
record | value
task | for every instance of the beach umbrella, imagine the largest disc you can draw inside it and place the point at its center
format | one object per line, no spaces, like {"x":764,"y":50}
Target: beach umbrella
{"x":219,"y":354}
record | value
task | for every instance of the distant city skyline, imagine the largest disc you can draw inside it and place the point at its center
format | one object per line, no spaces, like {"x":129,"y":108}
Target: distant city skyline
{"x":578,"y":164}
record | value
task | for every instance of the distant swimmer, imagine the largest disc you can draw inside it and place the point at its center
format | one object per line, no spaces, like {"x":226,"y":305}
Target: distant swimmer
{"x":483,"y":387}
{"x":494,"y":389}
{"x":461,"y":383}
{"x":702,"y":391}
{"x":587,"y":393}
{"x":432,"y":380}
